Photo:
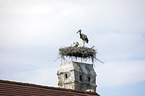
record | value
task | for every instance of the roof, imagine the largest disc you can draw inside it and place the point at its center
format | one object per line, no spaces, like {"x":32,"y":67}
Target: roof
{"x":12,"y":88}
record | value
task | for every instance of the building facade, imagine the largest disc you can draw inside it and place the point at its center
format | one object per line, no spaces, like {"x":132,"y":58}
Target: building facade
{"x":77,"y":76}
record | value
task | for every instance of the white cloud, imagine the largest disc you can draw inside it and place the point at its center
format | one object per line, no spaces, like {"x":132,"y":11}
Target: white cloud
{"x":116,"y":28}
{"x":114,"y":74}
{"x":24,"y":23}
{"x":119,"y":46}
{"x":42,"y":76}
{"x":39,"y":76}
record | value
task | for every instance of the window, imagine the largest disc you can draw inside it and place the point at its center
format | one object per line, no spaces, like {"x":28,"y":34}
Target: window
{"x":66,"y":76}
{"x":89,"y":79}
{"x":80,"y":77}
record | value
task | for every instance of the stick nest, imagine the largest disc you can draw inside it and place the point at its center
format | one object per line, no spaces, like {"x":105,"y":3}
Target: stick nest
{"x":78,"y":52}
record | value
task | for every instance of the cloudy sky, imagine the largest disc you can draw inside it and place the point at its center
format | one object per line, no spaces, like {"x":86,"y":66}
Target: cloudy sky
{"x":32,"y":31}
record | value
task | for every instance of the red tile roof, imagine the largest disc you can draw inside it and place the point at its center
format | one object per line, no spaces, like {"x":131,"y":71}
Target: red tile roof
{"x":11,"y":88}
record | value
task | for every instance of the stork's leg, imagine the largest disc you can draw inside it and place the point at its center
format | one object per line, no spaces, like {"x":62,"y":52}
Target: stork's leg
{"x":83,"y":43}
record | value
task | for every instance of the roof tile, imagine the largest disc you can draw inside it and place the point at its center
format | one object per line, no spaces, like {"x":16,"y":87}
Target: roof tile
{"x":8,"y":88}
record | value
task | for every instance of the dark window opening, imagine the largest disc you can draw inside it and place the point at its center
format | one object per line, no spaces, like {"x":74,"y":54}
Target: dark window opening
{"x":66,"y":76}
{"x":89,"y":79}
{"x":80,"y":77}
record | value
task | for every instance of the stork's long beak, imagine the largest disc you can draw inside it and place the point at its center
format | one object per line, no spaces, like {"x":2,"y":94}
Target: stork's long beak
{"x":79,"y":31}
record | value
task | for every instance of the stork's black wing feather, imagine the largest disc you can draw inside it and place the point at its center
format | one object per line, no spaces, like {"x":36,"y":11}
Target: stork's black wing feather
{"x":84,"y":37}
{"x":86,"y":40}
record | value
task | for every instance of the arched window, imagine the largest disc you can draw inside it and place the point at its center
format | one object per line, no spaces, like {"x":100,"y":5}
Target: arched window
{"x":66,"y":76}
{"x":80,"y":77}
{"x":89,"y":79}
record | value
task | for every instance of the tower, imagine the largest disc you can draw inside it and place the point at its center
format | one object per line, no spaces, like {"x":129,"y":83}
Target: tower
{"x":77,"y":76}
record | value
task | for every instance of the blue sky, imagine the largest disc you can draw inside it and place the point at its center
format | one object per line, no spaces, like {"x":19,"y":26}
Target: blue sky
{"x":32,"y":31}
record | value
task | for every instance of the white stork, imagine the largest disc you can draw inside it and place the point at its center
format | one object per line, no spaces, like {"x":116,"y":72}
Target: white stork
{"x":83,"y":37}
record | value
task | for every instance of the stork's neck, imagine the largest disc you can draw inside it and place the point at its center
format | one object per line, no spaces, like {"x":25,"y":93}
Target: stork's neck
{"x":80,"y":35}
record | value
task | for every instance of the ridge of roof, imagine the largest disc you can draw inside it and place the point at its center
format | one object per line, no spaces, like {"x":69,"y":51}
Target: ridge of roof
{"x":47,"y":87}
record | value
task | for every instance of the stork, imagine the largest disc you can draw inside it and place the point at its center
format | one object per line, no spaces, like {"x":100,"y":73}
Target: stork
{"x":75,"y":44}
{"x":83,"y":37}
